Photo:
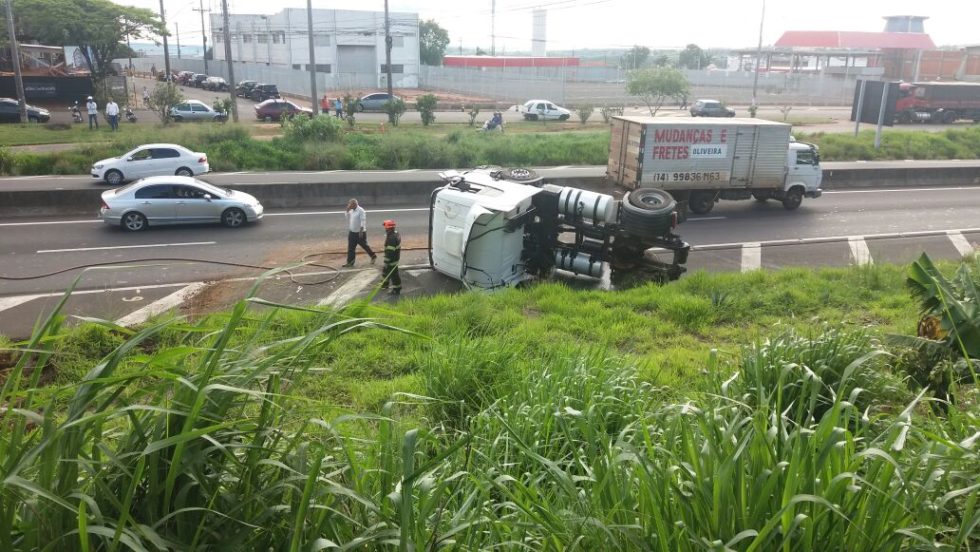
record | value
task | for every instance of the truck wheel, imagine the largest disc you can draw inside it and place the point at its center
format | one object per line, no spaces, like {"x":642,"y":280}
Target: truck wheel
{"x":519,"y":174}
{"x":793,"y":198}
{"x":648,"y":212}
{"x":949,"y":117}
{"x":701,"y":203}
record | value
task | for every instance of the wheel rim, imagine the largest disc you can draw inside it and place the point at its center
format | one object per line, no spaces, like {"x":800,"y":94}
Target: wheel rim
{"x":234,"y":218}
{"x":184,"y":172}
{"x":134,"y":222}
{"x":113,"y":178}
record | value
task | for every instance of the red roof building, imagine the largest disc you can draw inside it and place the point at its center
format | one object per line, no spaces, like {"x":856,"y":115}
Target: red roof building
{"x":849,"y":40}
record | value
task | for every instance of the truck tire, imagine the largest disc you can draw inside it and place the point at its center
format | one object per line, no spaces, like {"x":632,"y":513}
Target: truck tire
{"x":702,"y":202}
{"x":904,"y":118}
{"x":949,"y":117}
{"x":519,"y":174}
{"x":793,"y":198}
{"x":648,"y":212}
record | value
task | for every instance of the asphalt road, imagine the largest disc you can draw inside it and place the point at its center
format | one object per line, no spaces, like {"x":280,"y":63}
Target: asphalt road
{"x":843,"y":227}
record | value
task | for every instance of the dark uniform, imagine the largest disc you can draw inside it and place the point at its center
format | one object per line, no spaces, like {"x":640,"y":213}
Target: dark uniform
{"x":393,"y":253}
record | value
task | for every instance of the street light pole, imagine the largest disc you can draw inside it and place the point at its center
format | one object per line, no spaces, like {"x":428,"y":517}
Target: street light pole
{"x":388,"y":52}
{"x":758,"y":59}
{"x":15,"y":60}
{"x":309,"y":28}
{"x":204,"y":37}
{"x":166,"y":49}
{"x":231,"y":68}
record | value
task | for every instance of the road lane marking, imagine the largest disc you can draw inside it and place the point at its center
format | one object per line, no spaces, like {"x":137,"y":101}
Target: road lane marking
{"x":46,"y":223}
{"x":899,"y":190}
{"x":11,"y":302}
{"x":350,"y":288}
{"x":696,"y":219}
{"x":860,"y":253}
{"x":303,"y":213}
{"x":160,"y":305}
{"x":751,"y":256}
{"x":960,"y":243}
{"x":110,"y":247}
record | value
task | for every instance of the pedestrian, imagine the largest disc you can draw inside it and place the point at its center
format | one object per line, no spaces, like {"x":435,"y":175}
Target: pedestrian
{"x":357,"y":232}
{"x":338,"y":106}
{"x":393,"y":253}
{"x":325,"y":105}
{"x":93,"y":113}
{"x":146,"y":97}
{"x":112,"y":113}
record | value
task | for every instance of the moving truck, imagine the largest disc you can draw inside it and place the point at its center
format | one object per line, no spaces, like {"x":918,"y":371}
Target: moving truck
{"x":937,"y":102}
{"x":703,"y":161}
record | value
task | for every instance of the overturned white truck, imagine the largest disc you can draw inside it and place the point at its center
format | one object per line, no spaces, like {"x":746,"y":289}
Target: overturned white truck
{"x":491,"y":228}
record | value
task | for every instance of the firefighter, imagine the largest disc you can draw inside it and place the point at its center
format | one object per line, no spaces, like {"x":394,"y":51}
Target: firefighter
{"x":393,"y":252}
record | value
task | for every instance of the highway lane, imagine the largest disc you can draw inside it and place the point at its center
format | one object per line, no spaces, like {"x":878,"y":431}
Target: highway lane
{"x":284,"y":237}
{"x":74,"y":182}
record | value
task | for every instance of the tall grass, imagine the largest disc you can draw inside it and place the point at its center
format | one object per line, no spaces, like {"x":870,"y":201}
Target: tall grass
{"x":195,"y":436}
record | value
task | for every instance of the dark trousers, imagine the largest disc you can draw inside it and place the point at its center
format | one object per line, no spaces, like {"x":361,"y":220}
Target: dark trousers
{"x":353,"y":240}
{"x":114,"y":122}
{"x":391,"y":277}
{"x":93,"y":119}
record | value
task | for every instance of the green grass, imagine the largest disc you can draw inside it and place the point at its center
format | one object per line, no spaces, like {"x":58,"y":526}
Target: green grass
{"x":539,"y":419}
{"x":232,"y":147}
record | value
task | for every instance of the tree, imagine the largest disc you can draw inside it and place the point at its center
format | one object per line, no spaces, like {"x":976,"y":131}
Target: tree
{"x":164,"y":96}
{"x":663,"y":60}
{"x":433,"y":40}
{"x":480,"y":51}
{"x":98,"y":27}
{"x":693,"y":57}
{"x":635,"y":57}
{"x":656,"y":85}
{"x":426,"y":106}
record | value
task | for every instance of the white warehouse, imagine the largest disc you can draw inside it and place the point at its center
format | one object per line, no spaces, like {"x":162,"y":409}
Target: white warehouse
{"x":349,"y":45}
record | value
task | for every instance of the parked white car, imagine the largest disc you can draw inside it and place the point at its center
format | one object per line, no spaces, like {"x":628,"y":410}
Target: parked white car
{"x":151,"y":160}
{"x":543,"y":110}
{"x":163,"y":200}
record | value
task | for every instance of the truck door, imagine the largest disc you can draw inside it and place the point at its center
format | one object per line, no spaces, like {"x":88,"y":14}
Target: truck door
{"x":743,"y":167}
{"x":803,"y":168}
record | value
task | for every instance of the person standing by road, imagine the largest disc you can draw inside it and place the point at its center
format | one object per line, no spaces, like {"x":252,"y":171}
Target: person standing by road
{"x":146,"y":97}
{"x":93,"y":113}
{"x":338,"y":108}
{"x":393,"y":254}
{"x":357,"y":232}
{"x":325,"y":105}
{"x":112,"y":113}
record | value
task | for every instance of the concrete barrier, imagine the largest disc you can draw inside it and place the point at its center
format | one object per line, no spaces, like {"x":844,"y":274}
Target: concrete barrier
{"x":398,"y":188}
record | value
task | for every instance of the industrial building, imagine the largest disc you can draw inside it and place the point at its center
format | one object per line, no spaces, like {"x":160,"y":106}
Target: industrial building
{"x":349,"y":45}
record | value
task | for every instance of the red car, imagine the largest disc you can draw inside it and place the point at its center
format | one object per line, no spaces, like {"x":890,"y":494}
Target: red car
{"x":274,"y":110}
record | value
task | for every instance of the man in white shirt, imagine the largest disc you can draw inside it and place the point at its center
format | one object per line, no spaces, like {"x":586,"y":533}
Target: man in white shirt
{"x":93,"y":113}
{"x":112,"y":113}
{"x":356,"y":232}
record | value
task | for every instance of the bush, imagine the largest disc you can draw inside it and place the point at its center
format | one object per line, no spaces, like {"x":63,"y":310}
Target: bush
{"x":395,"y":109}
{"x":426,"y":106}
{"x":608,"y":112}
{"x":584,"y":112}
{"x":165,"y":96}
{"x":322,"y":128}
{"x":350,"y":109}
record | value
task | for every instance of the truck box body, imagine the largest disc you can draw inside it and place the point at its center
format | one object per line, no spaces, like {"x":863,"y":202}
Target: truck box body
{"x":695,"y":154}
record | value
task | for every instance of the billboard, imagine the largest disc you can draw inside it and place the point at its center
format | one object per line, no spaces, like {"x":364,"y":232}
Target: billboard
{"x":75,"y":60}
{"x":873,"y":91}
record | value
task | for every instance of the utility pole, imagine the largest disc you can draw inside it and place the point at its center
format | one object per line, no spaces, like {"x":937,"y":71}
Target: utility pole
{"x":231,"y":68}
{"x":493,"y":27}
{"x":204,"y":37}
{"x":177,"y":34}
{"x":388,"y":51}
{"x":166,"y":49}
{"x":15,"y":59}
{"x":309,"y":28}
{"x":758,"y":59}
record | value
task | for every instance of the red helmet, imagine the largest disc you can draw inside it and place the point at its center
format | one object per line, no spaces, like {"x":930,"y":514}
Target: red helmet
{"x":389,"y":224}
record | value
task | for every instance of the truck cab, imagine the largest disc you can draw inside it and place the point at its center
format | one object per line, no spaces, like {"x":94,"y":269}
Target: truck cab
{"x":803,"y":174}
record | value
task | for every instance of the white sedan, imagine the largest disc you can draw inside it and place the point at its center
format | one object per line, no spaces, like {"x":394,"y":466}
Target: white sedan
{"x":151,"y":160}
{"x":163,"y":200}
{"x":543,"y":110}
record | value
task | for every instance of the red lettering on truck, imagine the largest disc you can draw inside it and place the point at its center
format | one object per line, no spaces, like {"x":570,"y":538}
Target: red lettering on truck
{"x":683,"y":136}
{"x":670,"y":152}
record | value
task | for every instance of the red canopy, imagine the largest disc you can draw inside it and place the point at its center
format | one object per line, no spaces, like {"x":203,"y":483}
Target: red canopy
{"x":842,"y":40}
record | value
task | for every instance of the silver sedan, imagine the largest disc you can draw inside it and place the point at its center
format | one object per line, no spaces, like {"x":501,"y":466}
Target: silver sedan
{"x":194,"y":110}
{"x":163,"y":200}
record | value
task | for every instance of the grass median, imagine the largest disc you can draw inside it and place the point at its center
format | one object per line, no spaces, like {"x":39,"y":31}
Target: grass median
{"x":756,"y":411}
{"x":235,"y":147}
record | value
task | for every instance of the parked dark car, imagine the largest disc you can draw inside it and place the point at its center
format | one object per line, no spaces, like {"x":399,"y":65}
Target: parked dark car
{"x":262,"y":92}
{"x":10,"y":112}
{"x":244,"y":88}
{"x":274,"y":110}
{"x":711,"y":108}
{"x":198,"y":80}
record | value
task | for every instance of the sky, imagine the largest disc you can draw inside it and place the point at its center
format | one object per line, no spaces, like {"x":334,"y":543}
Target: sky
{"x":593,"y":24}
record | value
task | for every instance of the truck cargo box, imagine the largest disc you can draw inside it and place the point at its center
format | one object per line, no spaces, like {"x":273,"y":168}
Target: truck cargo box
{"x":691,"y":154}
